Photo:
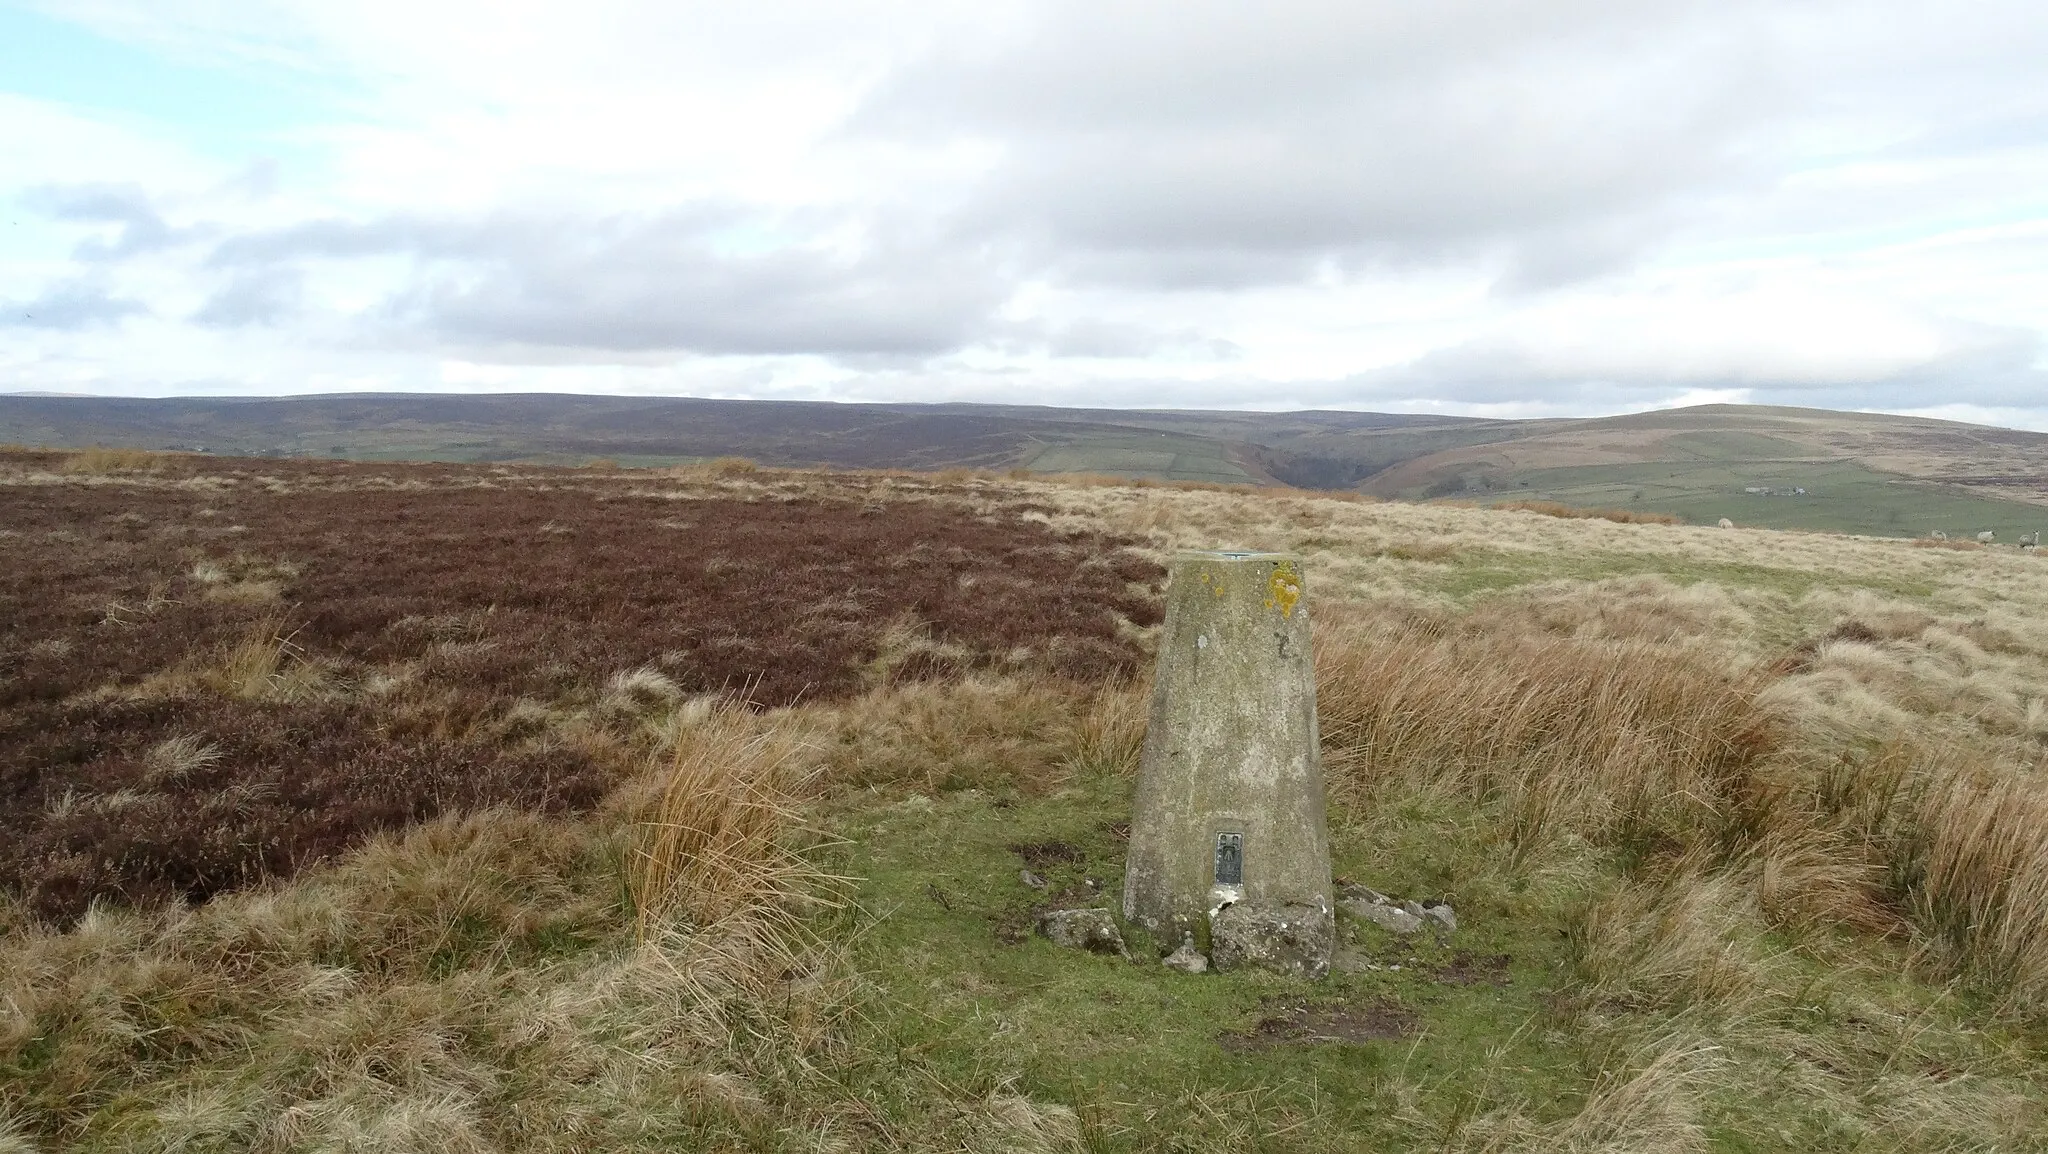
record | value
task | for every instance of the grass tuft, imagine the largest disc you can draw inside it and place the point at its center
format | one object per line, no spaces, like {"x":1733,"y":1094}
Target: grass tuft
{"x":717,"y":860}
{"x":1573,"y":512}
{"x":100,"y":461}
{"x":1609,"y":739}
{"x":1977,"y":870}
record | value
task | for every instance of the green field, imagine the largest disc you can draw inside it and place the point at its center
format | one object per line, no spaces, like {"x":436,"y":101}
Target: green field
{"x":1840,"y":496}
{"x":1731,"y":445}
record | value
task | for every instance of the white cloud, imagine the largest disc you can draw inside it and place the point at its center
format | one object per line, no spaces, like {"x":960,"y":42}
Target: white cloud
{"x":1473,"y":205}
{"x":47,"y":143}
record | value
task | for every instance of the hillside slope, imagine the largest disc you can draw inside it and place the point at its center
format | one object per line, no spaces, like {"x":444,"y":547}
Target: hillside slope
{"x":1224,"y":447}
{"x":1778,"y":467}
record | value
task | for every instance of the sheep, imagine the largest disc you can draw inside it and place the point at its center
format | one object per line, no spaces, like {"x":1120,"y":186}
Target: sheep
{"x":1938,"y":535}
{"x":1727,"y":524}
{"x":1986,"y":537}
{"x":2030,"y":540}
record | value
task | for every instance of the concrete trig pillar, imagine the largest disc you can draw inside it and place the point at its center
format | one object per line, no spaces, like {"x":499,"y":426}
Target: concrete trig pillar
{"x":1229,"y":827}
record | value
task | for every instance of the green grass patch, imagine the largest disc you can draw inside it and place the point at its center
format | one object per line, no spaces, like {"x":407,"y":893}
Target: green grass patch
{"x":1156,"y":1060}
{"x":1732,"y":445}
{"x":1838,"y":496}
{"x":1474,"y":572}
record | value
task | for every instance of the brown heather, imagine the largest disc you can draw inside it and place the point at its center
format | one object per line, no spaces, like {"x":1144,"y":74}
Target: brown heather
{"x":369,"y":647}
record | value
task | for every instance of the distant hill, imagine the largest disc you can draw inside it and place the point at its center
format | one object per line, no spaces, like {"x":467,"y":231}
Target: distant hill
{"x":1776,"y":467}
{"x":1792,"y":468}
{"x":1247,"y":448}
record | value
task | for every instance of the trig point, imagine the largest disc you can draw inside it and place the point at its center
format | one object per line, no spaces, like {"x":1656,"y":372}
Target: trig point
{"x":1229,"y":813}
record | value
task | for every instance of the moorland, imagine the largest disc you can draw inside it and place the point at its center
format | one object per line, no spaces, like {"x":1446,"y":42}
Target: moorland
{"x":493,"y":806}
{"x":1867,"y":473}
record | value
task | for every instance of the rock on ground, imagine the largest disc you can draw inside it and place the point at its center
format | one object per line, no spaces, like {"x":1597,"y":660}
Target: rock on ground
{"x":1092,"y":930}
{"x":1288,"y":939}
{"x":1187,"y":959}
{"x":1399,"y":917}
{"x":1393,"y":919}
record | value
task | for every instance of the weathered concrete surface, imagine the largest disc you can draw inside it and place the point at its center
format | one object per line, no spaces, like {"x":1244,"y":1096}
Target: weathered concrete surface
{"x":1289,"y":939}
{"x":1231,"y":757}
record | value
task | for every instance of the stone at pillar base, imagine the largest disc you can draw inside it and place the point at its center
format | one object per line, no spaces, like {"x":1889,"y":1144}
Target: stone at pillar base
{"x":1289,"y":939}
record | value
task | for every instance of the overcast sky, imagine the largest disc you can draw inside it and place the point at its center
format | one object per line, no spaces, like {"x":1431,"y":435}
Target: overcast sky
{"x":1471,"y":206}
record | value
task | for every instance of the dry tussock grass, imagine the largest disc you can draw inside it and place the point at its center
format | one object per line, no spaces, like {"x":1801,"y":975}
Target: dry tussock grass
{"x":406,"y":999}
{"x":1705,"y":779}
{"x":1347,"y":542}
{"x":1646,"y":608}
{"x":1884,"y":671}
{"x":977,"y":732}
{"x":1692,"y":939}
{"x":1649,"y":1102}
{"x":1757,"y":823}
{"x":263,"y":664}
{"x":716,"y":843}
{"x":1112,"y":732}
{"x":319,"y":979}
{"x":1976,"y":861}
{"x":1805,"y":732}
{"x":906,"y":650}
{"x":1599,"y":738}
{"x":715,"y":469}
{"x":96,"y":461}
{"x":1573,"y":512}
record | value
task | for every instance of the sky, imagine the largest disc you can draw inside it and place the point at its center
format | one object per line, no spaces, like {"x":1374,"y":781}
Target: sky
{"x":1488,"y":207}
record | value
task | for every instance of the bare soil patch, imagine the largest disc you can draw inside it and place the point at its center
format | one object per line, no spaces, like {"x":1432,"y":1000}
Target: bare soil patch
{"x":1044,"y":854}
{"x":1467,"y":969}
{"x":1801,"y":657}
{"x":1295,"y":1023}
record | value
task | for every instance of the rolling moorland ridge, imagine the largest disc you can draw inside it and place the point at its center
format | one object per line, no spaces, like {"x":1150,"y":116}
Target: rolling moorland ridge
{"x":1871,"y":474}
{"x":493,"y":807}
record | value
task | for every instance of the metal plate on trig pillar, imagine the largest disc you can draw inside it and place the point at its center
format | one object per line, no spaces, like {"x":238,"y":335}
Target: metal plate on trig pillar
{"x":1229,"y":859}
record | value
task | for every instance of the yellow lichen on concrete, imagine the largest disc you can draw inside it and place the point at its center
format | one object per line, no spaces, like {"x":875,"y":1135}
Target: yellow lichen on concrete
{"x":1284,"y":587}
